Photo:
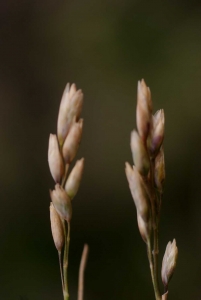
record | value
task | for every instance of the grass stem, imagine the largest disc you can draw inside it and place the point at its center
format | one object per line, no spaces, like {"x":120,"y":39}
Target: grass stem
{"x":83,"y":263}
{"x":153,"y":276}
{"x":65,"y":259}
{"x":61,"y":272}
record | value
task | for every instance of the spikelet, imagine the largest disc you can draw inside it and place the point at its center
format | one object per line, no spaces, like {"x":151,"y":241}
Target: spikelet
{"x":138,"y":192}
{"x":159,"y":172}
{"x":169,"y":262}
{"x":74,"y":179}
{"x":143,"y":110}
{"x":72,"y":141}
{"x":61,"y":202}
{"x":55,"y":159}
{"x":69,"y":111}
{"x":139,"y":152}
{"x":57,"y":228}
{"x":157,"y":133}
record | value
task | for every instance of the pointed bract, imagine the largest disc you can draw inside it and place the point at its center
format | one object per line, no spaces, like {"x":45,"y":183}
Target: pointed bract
{"x":159,"y":172}
{"x":143,"y":110}
{"x":72,"y":141}
{"x":57,"y":228}
{"x":69,"y":111}
{"x":54,"y":159}
{"x":157,"y":133}
{"x":169,"y":262}
{"x":144,"y":228}
{"x":72,"y":90}
{"x":138,"y":192}
{"x":140,"y":155}
{"x":74,"y":179}
{"x":61,"y":202}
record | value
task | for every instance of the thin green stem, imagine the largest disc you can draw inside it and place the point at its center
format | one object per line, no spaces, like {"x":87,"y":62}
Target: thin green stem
{"x":155,"y":224}
{"x":67,"y":241}
{"x":153,"y":277}
{"x":155,"y":256}
{"x":65,"y":294}
{"x":65,"y":260}
{"x":149,"y":253}
{"x":158,"y":198}
{"x":61,"y":272}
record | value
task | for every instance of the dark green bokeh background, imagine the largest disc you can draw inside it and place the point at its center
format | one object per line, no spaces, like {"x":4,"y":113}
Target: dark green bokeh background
{"x":104,"y":46}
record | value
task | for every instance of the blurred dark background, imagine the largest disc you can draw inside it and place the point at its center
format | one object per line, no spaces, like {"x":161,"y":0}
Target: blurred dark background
{"x":103,"y":46}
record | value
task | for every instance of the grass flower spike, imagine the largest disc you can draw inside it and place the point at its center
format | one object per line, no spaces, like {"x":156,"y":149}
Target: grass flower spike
{"x":146,"y":180}
{"x":62,"y":150}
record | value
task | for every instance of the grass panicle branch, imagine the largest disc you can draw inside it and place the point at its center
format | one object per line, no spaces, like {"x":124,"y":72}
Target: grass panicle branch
{"x":146,"y":180}
{"x":62,"y":149}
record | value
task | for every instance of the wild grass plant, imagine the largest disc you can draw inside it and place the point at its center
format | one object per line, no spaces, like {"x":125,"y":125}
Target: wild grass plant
{"x":145,"y":180}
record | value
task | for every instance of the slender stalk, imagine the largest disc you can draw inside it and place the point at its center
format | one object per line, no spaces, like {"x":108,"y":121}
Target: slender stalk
{"x":155,"y":218}
{"x":61,"y":272}
{"x":66,"y":247}
{"x":149,"y":253}
{"x":65,"y":260}
{"x":155,"y":256}
{"x":153,"y":277}
{"x":83,"y":263}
